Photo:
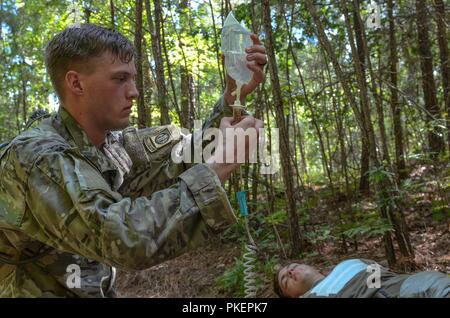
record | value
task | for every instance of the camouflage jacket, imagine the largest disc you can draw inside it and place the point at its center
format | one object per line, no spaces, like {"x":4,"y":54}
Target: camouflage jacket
{"x":61,"y":194}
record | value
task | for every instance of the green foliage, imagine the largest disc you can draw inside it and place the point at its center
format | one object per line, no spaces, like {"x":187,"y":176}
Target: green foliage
{"x":440,"y":210}
{"x":232,"y":280}
{"x":319,"y":235}
{"x":409,"y":185}
{"x":276,"y":218}
{"x":379,"y":174}
{"x":369,"y":230}
{"x":269,"y":267}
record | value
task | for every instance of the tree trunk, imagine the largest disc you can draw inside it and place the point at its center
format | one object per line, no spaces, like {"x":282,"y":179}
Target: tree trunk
{"x":296,"y":141}
{"x":1,"y":27}
{"x":155,"y":30}
{"x":149,"y":83}
{"x":342,"y":148}
{"x":364,"y":185}
{"x":142,"y":112}
{"x":169,"y":68}
{"x":216,"y":46}
{"x":444,"y":55}
{"x":339,"y":73}
{"x":185,"y":76}
{"x":286,"y":166}
{"x":388,"y":205}
{"x":186,"y":116}
{"x":17,"y":112}
{"x":87,"y":11}
{"x":112,"y":14}
{"x":364,"y":53}
{"x":395,"y":106}
{"x":435,"y":142}
{"x":24,"y":98}
{"x":359,"y":65}
{"x":23,"y":79}
{"x":259,"y":101}
{"x":339,"y":115}
{"x":350,"y":98}
{"x":315,"y":123}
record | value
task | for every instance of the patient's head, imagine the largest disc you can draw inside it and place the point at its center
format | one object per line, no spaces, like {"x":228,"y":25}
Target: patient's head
{"x":295,"y":279}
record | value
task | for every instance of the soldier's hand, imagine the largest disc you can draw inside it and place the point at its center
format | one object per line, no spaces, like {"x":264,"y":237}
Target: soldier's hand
{"x":257,"y":59}
{"x":239,"y":143}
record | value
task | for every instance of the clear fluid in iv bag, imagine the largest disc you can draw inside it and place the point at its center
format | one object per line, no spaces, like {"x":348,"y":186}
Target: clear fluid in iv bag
{"x":235,"y":39}
{"x":236,"y":64}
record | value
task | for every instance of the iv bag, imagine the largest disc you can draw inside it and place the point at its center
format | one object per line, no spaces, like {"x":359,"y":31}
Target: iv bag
{"x":235,"y":39}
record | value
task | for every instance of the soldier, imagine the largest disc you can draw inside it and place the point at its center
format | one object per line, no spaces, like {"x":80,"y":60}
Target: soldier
{"x":358,"y":278}
{"x":77,"y":199}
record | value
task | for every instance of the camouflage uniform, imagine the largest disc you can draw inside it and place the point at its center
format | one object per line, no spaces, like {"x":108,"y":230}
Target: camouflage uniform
{"x":60,"y":194}
{"x":354,"y":279}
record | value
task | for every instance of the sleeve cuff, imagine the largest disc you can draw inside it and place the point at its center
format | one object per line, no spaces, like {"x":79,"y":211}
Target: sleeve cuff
{"x":210,"y":196}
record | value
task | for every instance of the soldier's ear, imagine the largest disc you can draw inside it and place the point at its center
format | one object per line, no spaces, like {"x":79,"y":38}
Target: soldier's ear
{"x":73,"y":82}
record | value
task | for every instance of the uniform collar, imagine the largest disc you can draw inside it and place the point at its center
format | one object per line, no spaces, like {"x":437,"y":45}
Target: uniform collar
{"x":77,"y":137}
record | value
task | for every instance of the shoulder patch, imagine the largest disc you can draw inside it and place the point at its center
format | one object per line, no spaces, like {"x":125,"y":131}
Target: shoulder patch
{"x":157,"y":139}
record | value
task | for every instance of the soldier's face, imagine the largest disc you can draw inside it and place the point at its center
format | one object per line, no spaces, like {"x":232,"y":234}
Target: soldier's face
{"x":110,"y":91}
{"x":291,"y":279}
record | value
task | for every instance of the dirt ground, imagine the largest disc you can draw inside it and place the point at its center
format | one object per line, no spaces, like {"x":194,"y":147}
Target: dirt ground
{"x":194,"y":274}
{"x":189,"y":275}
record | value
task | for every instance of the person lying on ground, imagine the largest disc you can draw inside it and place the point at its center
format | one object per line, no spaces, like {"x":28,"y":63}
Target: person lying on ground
{"x":358,"y":278}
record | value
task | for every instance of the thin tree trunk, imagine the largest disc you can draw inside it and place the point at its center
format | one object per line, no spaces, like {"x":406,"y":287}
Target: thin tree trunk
{"x":185,"y":76}
{"x":297,"y":129}
{"x":142,"y":113}
{"x":112,"y":14}
{"x":359,"y":64}
{"x":364,"y":53}
{"x":216,"y":46}
{"x":364,"y":185}
{"x":185,"y":118}
{"x":395,"y":106}
{"x":350,"y":98}
{"x":394,"y":209}
{"x":338,"y":115}
{"x":389,"y":205}
{"x":149,"y":83}
{"x":1,"y":26}
{"x":17,"y":112}
{"x":295,"y":235}
{"x":315,"y":123}
{"x":339,"y":73}
{"x":292,"y":106}
{"x":87,"y":14}
{"x":260,"y":105}
{"x":444,"y":55}
{"x":342,"y":149}
{"x":169,"y":70}
{"x":24,"y":89}
{"x":155,"y":30}
{"x":435,"y":141}
{"x":24,"y":99}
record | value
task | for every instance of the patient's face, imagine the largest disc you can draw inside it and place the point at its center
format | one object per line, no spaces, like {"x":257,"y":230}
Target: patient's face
{"x":293,"y":279}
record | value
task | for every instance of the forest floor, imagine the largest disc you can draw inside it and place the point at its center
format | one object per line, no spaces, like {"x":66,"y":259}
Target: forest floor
{"x":195,"y":274}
